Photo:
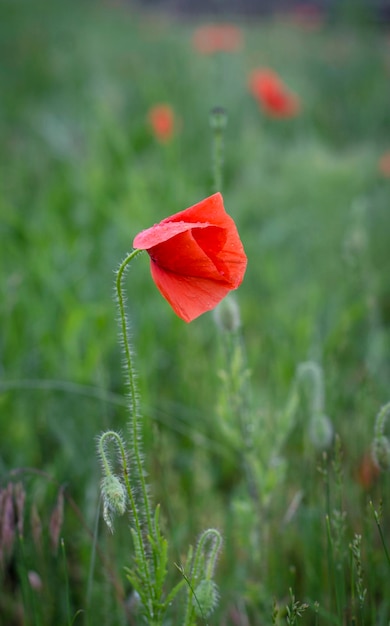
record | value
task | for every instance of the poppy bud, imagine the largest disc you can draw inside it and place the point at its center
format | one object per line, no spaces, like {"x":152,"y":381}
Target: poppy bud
{"x":381,"y":444}
{"x":218,"y":119}
{"x":227,"y":315}
{"x":320,"y":431}
{"x":205,"y":598}
{"x":114,"y":498}
{"x":381,"y":452}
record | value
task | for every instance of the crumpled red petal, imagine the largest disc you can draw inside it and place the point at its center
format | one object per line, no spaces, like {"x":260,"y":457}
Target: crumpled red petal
{"x":188,"y":296}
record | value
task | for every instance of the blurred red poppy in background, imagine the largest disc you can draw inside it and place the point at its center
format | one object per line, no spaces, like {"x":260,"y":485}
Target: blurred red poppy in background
{"x":272,"y":94}
{"x":384,"y":164}
{"x":196,"y":257}
{"x":368,"y":471}
{"x":162,"y":120}
{"x":218,"y":38}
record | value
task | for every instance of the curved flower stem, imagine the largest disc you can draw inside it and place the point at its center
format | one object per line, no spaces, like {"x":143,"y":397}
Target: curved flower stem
{"x":111,"y":435}
{"x":124,"y":330}
{"x":210,"y":556}
{"x":108,"y":434}
{"x":134,"y":404}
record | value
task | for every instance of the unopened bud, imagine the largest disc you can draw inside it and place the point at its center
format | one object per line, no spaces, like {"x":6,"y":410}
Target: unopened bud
{"x":227,"y":315}
{"x":321,"y":431}
{"x":133,"y":602}
{"x":205,"y":598}
{"x":218,"y":119}
{"x":114,"y":498}
{"x":381,"y":452}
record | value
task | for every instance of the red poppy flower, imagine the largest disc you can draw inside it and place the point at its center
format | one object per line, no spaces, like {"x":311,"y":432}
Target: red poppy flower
{"x":218,"y":38}
{"x":162,"y":121}
{"x":384,"y":164}
{"x":196,"y":257}
{"x":274,"y":97}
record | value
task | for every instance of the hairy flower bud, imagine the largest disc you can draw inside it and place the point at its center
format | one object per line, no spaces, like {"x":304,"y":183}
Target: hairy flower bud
{"x":114,"y":498}
{"x":381,"y":452}
{"x":218,"y":119}
{"x":227,"y":315}
{"x":321,"y":431}
{"x":381,"y":444}
{"x":205,"y":598}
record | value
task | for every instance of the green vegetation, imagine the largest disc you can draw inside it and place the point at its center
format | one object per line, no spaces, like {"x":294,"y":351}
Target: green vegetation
{"x":263,"y":432}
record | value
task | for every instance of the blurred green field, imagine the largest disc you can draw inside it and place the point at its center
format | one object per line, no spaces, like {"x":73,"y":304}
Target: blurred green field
{"x":81,"y":175}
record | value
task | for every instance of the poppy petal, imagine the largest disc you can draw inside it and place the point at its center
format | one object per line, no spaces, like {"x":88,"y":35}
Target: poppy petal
{"x":188,"y":296}
{"x":210,"y":210}
{"x":183,"y":255}
{"x":164,"y":231}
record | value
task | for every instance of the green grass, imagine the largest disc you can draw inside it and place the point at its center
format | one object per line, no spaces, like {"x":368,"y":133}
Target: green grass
{"x":81,"y":175}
